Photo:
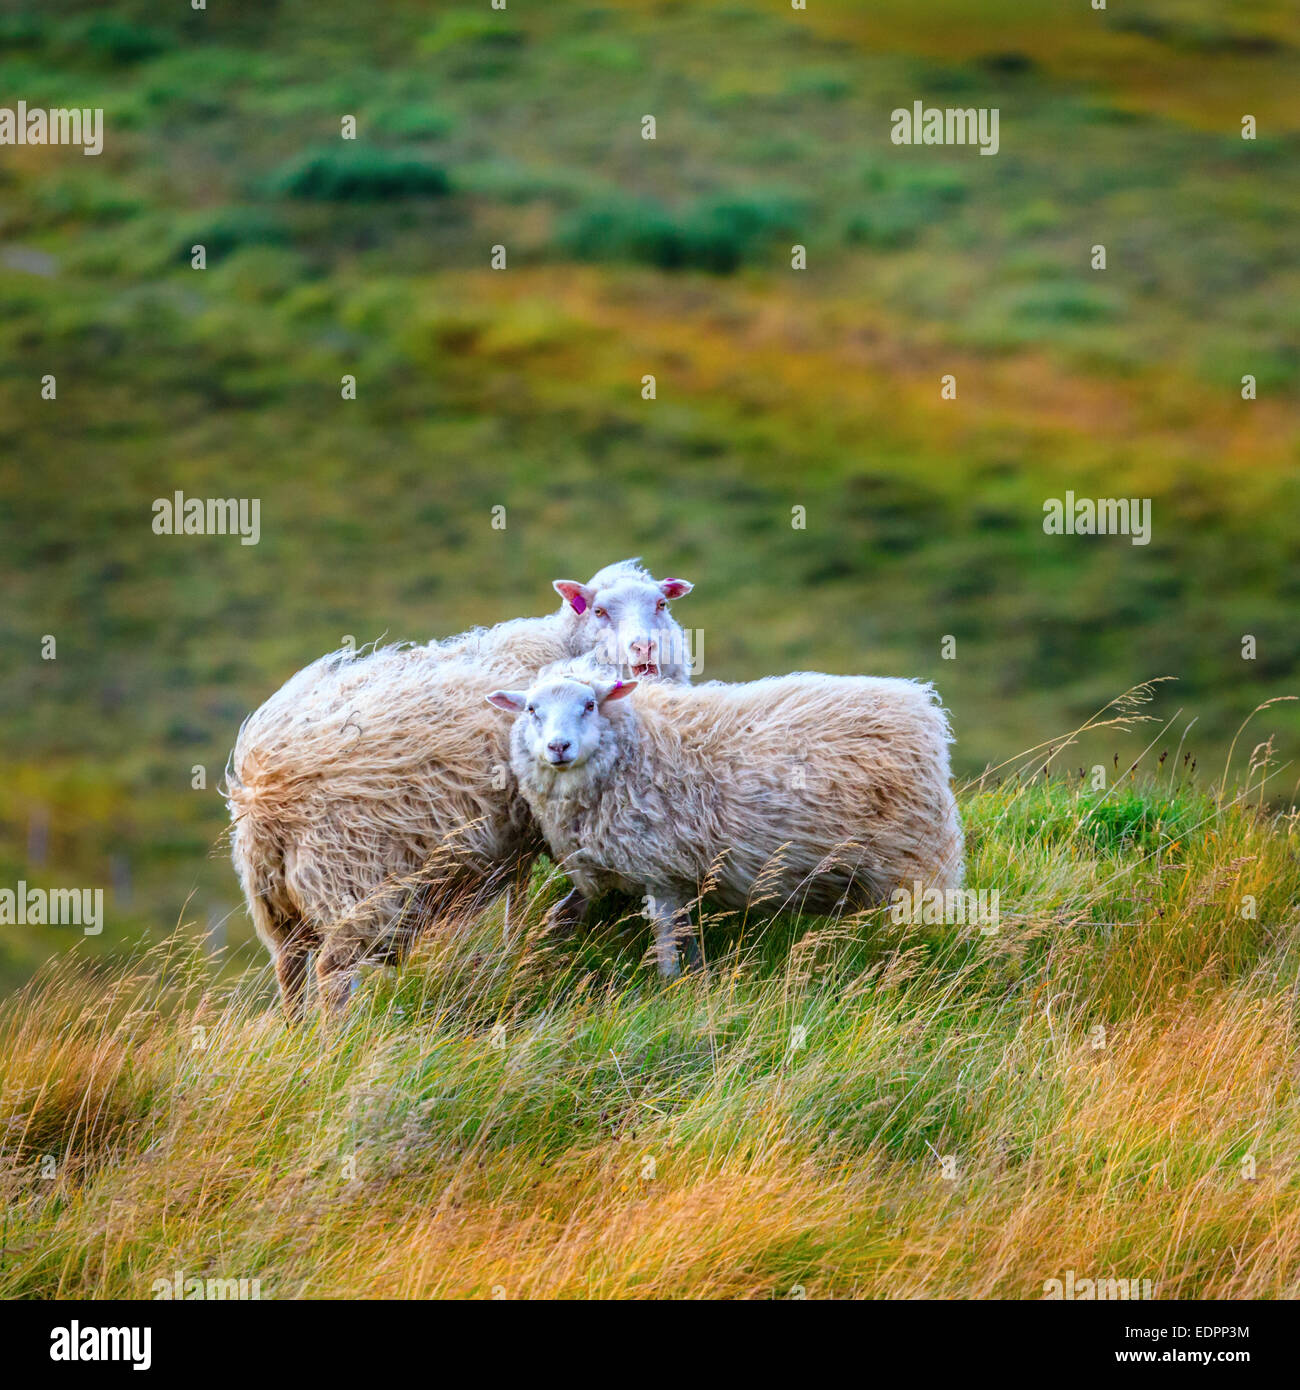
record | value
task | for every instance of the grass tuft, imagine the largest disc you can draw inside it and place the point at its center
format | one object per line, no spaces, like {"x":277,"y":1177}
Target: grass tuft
{"x":840,"y":1107}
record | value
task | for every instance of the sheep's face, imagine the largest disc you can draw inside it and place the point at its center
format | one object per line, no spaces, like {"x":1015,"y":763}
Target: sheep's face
{"x":623,"y":619}
{"x":561,"y":719}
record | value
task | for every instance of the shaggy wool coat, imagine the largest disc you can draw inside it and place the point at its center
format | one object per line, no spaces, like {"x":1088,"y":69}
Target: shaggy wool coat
{"x":374,"y":791}
{"x":801,"y":791}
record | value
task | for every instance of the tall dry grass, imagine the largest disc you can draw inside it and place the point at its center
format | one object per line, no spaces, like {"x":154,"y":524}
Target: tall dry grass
{"x":848,"y":1108}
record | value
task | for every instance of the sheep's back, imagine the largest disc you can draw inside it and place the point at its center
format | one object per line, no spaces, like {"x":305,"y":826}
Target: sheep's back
{"x":378,"y":756}
{"x":810,"y":765}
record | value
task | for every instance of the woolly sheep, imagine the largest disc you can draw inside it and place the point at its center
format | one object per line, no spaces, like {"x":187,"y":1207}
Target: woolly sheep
{"x":815,"y":791}
{"x":371,"y":791}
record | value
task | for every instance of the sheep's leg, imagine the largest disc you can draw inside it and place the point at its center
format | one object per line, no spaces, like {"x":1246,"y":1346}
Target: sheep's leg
{"x":336,"y":974}
{"x":569,"y":913}
{"x":289,"y":940}
{"x":672,"y":929}
{"x":291,"y":976}
{"x":692,"y":958}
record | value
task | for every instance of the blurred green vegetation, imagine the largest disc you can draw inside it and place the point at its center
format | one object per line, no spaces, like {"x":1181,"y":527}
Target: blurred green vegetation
{"x":776,"y":388}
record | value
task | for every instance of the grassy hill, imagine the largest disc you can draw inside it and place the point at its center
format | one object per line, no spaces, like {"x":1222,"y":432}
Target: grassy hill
{"x":1104,"y":1085}
{"x":521,"y":388}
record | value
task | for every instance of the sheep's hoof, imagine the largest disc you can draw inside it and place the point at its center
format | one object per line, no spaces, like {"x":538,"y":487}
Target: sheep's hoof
{"x":560,"y":924}
{"x":566,"y":916}
{"x":686,"y":961}
{"x":669,"y":969}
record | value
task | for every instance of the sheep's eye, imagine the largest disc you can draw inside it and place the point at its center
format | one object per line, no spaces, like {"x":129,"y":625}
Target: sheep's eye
{"x":531,"y":710}
{"x":660,"y":606}
{"x":589,"y":706}
{"x":600,"y":613}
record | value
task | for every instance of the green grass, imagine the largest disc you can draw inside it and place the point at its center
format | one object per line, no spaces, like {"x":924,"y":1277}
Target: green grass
{"x":718,"y":235}
{"x":511,"y":1113}
{"x":358,"y":175}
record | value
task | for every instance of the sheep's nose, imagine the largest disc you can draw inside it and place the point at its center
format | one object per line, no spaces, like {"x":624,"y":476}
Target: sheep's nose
{"x":559,"y":746}
{"x":642,"y":651}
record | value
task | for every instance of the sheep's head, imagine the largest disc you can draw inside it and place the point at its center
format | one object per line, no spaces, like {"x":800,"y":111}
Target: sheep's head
{"x":622,"y":618}
{"x":562,"y":722}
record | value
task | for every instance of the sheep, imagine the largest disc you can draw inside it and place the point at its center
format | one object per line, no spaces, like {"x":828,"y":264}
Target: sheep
{"x":825,"y":791}
{"x":373,"y":790}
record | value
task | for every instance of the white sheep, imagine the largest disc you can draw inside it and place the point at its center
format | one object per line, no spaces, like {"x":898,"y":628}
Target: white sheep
{"x":807,"y":791}
{"x":374,"y":790}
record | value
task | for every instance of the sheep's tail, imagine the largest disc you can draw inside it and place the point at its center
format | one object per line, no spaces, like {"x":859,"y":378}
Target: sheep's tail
{"x":259,"y":852}
{"x":256,"y":797}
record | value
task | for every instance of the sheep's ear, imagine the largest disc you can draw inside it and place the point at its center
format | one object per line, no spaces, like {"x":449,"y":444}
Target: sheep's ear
{"x":616,"y":690}
{"x":675,"y":588}
{"x":513,"y":700}
{"x":579,"y":597}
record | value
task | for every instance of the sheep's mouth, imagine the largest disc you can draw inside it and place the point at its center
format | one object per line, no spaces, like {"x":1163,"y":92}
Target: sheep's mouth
{"x":647,"y":669}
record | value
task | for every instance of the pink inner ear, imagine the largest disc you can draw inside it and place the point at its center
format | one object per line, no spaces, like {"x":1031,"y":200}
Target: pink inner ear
{"x":579,"y":604}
